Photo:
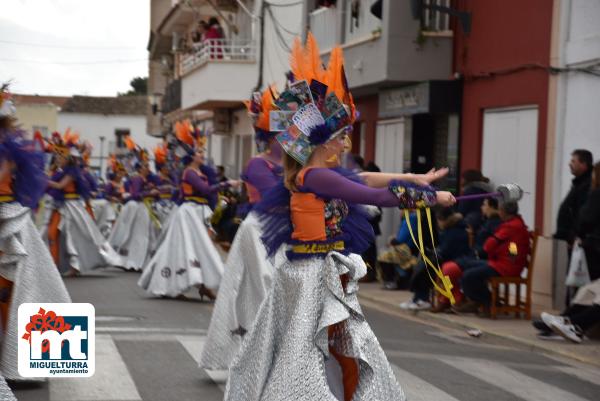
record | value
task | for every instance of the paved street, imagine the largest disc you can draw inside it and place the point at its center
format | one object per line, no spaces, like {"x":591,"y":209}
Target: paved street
{"x":147,"y":349}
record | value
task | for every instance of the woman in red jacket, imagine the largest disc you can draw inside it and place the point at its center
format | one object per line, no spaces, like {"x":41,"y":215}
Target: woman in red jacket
{"x":507,"y":252}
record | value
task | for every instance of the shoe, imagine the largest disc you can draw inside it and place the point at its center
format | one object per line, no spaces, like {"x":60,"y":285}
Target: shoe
{"x":406,"y":305}
{"x":548,"y":319}
{"x":203,"y":291}
{"x":568,"y":330}
{"x":541,"y":326}
{"x":440,"y":307}
{"x":467,"y":307}
{"x":420,"y":305}
{"x":390,"y":285}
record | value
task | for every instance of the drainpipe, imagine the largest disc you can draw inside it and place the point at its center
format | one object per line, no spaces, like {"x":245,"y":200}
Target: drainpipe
{"x":261,"y":55}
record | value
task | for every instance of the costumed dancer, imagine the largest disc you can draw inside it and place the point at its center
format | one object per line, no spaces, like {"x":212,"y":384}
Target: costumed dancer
{"x":310,"y":339}
{"x":106,"y":207}
{"x":248,"y":271}
{"x":186,"y":257}
{"x":27,"y":272}
{"x":75,"y":242}
{"x":137,"y":228}
{"x":166,"y":184}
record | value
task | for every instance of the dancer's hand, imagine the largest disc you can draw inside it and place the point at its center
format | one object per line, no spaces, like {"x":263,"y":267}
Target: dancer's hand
{"x":445,"y":198}
{"x":431,"y":176}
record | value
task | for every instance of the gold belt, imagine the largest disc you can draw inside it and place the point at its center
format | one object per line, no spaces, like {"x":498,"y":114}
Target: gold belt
{"x":318,"y":248}
{"x":197,"y":199}
{"x":6,"y":198}
{"x":72,"y":196}
{"x":165,"y":196}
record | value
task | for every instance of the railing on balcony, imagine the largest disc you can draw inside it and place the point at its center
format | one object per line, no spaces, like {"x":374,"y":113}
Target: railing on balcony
{"x":434,"y":21}
{"x":219,"y":50}
{"x":325,"y":25}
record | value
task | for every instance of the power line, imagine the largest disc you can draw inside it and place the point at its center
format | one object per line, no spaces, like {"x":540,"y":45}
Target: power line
{"x":69,"y":47}
{"x":73,"y":62}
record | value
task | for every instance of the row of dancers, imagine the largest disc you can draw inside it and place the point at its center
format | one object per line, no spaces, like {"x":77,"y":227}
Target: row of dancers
{"x":286,"y":322}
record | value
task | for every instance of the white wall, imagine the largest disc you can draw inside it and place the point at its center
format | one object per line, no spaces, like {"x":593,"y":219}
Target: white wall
{"x":578,"y":120}
{"x":276,"y":55}
{"x":93,"y":126}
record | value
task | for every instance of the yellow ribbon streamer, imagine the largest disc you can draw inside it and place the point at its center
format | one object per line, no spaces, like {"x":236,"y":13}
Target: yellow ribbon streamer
{"x":148,"y":203}
{"x":446,"y":291}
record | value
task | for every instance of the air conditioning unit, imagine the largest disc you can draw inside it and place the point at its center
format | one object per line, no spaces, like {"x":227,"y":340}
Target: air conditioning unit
{"x":221,"y":121}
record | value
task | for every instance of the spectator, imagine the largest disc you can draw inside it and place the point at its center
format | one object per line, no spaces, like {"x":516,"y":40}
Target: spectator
{"x":453,"y":244}
{"x":214,"y":38}
{"x":506,"y":251}
{"x":198,"y":34}
{"x":397,"y":261}
{"x":221,"y":174}
{"x":578,"y":318}
{"x":588,"y":225}
{"x":581,"y":168}
{"x":453,"y":269}
{"x":474,"y":183}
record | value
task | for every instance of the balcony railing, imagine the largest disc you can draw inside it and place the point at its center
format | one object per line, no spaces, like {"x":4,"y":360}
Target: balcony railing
{"x":172,"y":98}
{"x":325,"y":25}
{"x":219,"y":50}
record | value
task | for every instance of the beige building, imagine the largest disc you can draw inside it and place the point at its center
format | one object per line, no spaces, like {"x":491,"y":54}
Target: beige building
{"x":38,"y":113}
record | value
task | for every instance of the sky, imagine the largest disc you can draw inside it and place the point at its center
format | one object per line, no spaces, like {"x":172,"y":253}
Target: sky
{"x":73,"y":47}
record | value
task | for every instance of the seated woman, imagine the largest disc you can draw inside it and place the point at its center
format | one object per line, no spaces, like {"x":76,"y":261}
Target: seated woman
{"x":506,"y":251}
{"x":398,"y":260}
{"x":452,"y":269}
{"x":453,"y":243}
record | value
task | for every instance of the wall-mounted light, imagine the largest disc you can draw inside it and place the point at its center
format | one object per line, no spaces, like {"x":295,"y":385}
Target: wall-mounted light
{"x":155,"y":101}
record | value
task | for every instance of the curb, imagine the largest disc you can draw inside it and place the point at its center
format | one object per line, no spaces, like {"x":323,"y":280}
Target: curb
{"x":443,"y":321}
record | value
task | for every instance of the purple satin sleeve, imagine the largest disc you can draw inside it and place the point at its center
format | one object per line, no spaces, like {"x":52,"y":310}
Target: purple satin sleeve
{"x":260,"y":175}
{"x":136,"y":187}
{"x":198,"y":183}
{"x":329,"y":184}
{"x":109,"y":189}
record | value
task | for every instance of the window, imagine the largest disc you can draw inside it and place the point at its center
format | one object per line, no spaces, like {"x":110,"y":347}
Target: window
{"x":434,"y":21}
{"x":41,"y":128}
{"x":120,"y":135}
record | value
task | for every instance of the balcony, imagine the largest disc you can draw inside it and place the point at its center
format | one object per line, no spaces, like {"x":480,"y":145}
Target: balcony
{"x":394,"y":50}
{"x":219,"y":50}
{"x":219,"y":73}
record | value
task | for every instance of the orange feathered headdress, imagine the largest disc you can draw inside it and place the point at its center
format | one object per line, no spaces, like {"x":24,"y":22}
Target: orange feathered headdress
{"x":306,"y":64}
{"x":183,"y":132}
{"x":260,"y":106}
{"x":160,"y":154}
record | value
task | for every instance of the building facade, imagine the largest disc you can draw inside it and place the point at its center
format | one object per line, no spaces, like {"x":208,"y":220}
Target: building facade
{"x":207,"y":80}
{"x":38,"y":113}
{"x":104,"y":121}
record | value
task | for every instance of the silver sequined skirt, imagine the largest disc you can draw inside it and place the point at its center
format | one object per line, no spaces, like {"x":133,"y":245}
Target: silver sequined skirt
{"x":246,"y":281}
{"x":285,"y":356}
{"x":26,"y":261}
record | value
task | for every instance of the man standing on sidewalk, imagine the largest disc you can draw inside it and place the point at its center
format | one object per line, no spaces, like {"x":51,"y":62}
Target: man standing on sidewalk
{"x":581,"y":168}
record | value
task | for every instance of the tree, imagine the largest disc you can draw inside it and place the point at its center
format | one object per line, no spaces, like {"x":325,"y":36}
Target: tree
{"x":139,"y":85}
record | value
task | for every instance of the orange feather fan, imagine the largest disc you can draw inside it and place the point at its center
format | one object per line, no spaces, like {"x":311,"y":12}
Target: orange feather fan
{"x":160,"y":154}
{"x":267,"y":104}
{"x":335,"y":80}
{"x":305,"y":61}
{"x":129,"y":143}
{"x":184,"y":133}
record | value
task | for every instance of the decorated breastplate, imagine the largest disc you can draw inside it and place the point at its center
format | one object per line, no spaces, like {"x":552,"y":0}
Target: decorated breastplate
{"x":336,"y":211}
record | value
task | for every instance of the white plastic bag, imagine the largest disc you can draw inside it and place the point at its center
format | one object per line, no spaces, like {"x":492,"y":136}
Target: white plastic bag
{"x":578,"y":275}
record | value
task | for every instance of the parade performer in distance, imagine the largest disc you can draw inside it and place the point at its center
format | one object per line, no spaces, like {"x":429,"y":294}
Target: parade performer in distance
{"x":137,"y":228}
{"x":248,"y":271}
{"x":165,"y":181}
{"x":108,"y":204}
{"x":75,"y":241}
{"x":27,"y":271}
{"x":310,"y":339}
{"x":186,"y":257}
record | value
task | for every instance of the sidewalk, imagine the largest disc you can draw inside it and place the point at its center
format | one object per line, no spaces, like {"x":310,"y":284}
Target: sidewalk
{"x":507,"y":328}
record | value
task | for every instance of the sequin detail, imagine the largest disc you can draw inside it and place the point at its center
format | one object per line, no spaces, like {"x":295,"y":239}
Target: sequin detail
{"x":412,"y":196}
{"x":336,"y":210}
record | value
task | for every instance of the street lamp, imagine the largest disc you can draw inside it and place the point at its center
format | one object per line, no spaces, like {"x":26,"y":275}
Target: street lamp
{"x":155,"y":100}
